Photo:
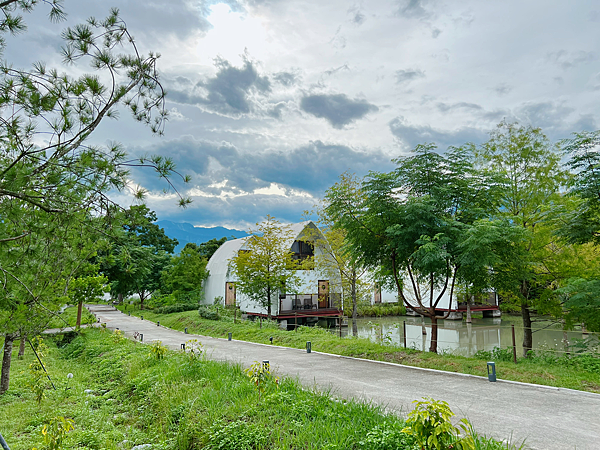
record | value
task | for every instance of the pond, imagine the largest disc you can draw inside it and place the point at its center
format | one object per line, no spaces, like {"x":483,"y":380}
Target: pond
{"x":465,"y":339}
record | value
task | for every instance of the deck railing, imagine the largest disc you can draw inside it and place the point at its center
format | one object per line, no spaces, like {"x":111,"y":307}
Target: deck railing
{"x":309,"y":302}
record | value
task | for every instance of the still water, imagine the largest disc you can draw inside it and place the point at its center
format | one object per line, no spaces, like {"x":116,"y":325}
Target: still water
{"x":461,"y":338}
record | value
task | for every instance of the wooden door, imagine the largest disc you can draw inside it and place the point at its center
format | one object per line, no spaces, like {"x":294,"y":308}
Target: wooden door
{"x":229,"y":294}
{"x":377,"y":293}
{"x":323,"y":294}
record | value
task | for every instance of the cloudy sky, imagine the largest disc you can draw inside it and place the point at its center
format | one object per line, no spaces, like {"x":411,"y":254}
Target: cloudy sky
{"x":271,"y":100}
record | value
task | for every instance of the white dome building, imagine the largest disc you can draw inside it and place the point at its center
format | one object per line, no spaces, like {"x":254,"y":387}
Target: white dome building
{"x":319,"y":296}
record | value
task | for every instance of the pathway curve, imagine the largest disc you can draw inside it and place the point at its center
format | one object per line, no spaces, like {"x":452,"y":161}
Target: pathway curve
{"x":546,"y":418}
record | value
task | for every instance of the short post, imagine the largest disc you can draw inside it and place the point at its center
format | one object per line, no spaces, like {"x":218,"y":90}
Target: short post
{"x":116,"y":329}
{"x":183,"y":347}
{"x":129,"y":314}
{"x":142,"y":317}
{"x":185,"y":330}
{"x":308,"y":346}
{"x":404,"y":333}
{"x":158,"y":323}
{"x":514,"y":344}
{"x":491,"y":369}
{"x":229,"y":335}
{"x":266,"y":366}
{"x":271,"y":339}
{"x":141,"y":337}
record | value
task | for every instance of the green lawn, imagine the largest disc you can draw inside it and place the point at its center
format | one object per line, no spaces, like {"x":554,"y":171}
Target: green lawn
{"x":121,"y":395}
{"x":579,"y":373}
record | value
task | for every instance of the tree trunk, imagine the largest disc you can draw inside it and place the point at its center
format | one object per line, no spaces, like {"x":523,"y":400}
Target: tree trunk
{"x":354,"y":309}
{"x":269,"y":302}
{"x":468,"y":311}
{"x":22,"y":345}
{"x":434,"y":334}
{"x":565,"y":338}
{"x":79,"y":307}
{"x":6,"y":359}
{"x":527,"y":333}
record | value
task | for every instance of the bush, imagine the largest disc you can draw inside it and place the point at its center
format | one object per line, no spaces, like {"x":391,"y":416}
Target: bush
{"x":497,"y":354}
{"x":206,"y":312}
{"x":382,"y":309}
{"x":178,"y":307}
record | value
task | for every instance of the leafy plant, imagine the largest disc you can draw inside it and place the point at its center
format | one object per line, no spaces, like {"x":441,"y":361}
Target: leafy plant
{"x":261,"y":376}
{"x":158,"y":350}
{"x":118,"y":336}
{"x":55,"y":432}
{"x":209,"y":313}
{"x":194,"y":349}
{"x":237,"y":435}
{"x":430,"y":424}
{"x":386,"y":437}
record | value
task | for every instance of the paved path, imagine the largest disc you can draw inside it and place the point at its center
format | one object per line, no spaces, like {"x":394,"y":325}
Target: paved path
{"x":546,"y":418}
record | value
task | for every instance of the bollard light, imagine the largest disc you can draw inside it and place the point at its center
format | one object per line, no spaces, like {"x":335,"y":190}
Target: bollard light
{"x":491,"y":369}
{"x":185,"y":330}
{"x":229,"y":335}
{"x":129,"y":314}
{"x":141,"y":337}
{"x":266,"y":365}
{"x":158,"y":323}
{"x":142,"y":317}
{"x":183,"y":347}
{"x":308,"y":347}
{"x":271,"y":339}
{"x":116,"y":329}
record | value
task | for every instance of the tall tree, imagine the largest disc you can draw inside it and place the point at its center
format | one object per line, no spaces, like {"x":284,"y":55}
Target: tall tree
{"x":265,"y":265}
{"x":410,"y":222}
{"x":52,"y":182}
{"x":531,"y":177}
{"x":337,"y":260}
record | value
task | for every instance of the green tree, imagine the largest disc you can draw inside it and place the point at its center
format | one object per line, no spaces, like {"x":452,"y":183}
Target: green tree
{"x":265,"y":264}
{"x":336,"y":260}
{"x":208,"y":248}
{"x":87,"y":288}
{"x":52,"y":181}
{"x":409,"y":223}
{"x":137,"y":255}
{"x":185,"y":274}
{"x":531,"y":176}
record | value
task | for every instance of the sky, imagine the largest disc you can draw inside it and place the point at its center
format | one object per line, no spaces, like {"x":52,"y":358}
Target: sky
{"x":271,"y":100}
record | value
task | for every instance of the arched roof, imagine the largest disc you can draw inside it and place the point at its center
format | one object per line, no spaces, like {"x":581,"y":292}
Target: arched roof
{"x":218,"y":265}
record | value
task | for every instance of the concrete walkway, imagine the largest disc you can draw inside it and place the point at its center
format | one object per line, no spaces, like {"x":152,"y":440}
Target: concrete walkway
{"x":543,"y":417}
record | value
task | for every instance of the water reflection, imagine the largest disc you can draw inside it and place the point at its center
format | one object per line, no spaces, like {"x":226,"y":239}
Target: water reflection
{"x":460,"y":337}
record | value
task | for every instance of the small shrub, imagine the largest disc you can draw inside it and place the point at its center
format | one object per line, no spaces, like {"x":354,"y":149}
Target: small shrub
{"x":261,"y":376}
{"x":54,"y":433}
{"x":208,"y":313}
{"x":429,"y":423}
{"x":194,"y":350}
{"x":118,"y":337}
{"x":497,"y":354}
{"x":158,"y":350}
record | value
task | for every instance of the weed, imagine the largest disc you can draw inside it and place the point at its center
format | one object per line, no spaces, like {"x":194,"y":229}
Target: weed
{"x":237,"y":435}
{"x":194,"y":350}
{"x":118,"y":337}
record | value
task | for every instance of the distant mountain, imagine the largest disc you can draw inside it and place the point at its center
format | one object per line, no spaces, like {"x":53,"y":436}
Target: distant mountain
{"x":186,"y":232}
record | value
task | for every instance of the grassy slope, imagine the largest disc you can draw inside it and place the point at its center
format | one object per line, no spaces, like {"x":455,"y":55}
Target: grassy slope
{"x":569,"y":376}
{"x":180,"y":403}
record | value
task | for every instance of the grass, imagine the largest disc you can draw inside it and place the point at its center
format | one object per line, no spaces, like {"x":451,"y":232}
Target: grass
{"x":577,"y":373}
{"x":121,"y":396}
